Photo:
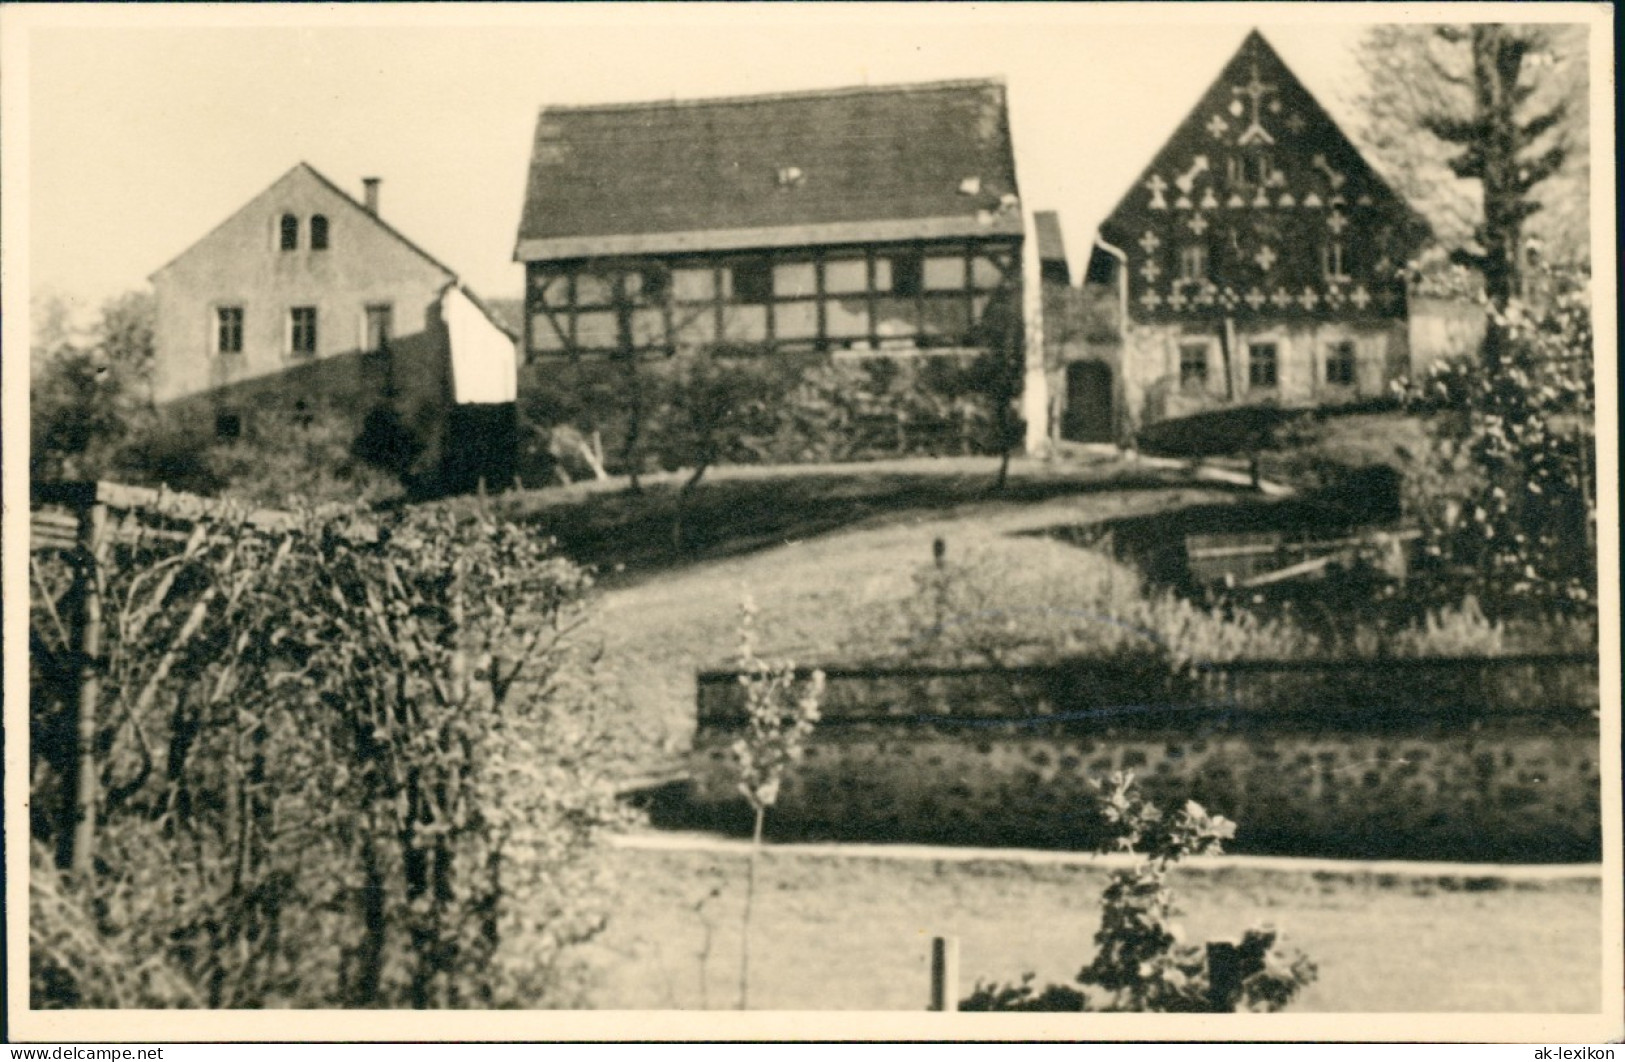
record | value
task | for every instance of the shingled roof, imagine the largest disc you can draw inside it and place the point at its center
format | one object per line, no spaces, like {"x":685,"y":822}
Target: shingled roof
{"x":848,"y":165}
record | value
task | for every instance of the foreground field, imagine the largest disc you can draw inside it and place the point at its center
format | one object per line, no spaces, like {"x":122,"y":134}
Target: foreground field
{"x":853,"y":933}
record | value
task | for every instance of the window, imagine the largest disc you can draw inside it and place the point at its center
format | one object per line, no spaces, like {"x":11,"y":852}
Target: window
{"x":1193,"y":262}
{"x":753,"y":281}
{"x":318,"y":232}
{"x":645,"y":287}
{"x":1340,"y":364}
{"x":1331,"y":257}
{"x":379,"y":321}
{"x":290,"y":232}
{"x":1261,"y":365}
{"x":302,"y":330}
{"x":1193,"y":366}
{"x":228,"y":330}
{"x":1250,"y":169}
{"x":903,"y":272}
{"x":1256,"y":168}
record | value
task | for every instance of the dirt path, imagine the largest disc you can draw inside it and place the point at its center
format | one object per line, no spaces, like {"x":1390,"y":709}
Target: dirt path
{"x":715,"y":844}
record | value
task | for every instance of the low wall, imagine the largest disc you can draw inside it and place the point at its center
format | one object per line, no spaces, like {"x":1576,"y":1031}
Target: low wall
{"x":1480,"y":760}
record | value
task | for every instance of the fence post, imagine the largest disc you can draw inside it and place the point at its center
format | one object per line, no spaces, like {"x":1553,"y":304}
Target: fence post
{"x":944,"y":973}
{"x":92,"y":525}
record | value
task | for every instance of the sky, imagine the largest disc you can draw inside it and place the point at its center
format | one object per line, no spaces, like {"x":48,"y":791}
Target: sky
{"x":147,"y":127}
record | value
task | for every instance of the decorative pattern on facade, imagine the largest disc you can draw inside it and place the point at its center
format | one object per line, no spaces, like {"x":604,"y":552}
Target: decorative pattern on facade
{"x":1258,"y":205}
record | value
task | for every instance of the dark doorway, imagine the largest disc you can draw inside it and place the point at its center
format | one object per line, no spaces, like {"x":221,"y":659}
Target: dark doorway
{"x":1088,"y":416}
{"x":481,"y":443}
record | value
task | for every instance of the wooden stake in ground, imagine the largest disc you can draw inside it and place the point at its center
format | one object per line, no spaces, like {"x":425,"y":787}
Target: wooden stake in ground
{"x":92,"y":522}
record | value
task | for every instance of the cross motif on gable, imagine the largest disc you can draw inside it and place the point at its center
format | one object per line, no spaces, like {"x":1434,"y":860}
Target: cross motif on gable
{"x":1281,"y":299}
{"x":1361,"y":298}
{"x":1295,"y":123}
{"x":1216,"y":126}
{"x":1255,"y":89}
{"x":1309,"y":299}
{"x":1150,"y":300}
{"x":1198,"y":224}
{"x":1176,"y":300}
{"x":1149,"y":242}
{"x":1256,"y":298}
{"x":1157,"y":186}
{"x":1265,"y":257}
{"x":1337,"y":223}
{"x":1151,"y":271}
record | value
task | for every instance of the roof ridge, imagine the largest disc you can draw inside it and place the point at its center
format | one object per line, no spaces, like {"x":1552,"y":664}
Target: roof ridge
{"x":774,"y":97}
{"x":378,"y":219}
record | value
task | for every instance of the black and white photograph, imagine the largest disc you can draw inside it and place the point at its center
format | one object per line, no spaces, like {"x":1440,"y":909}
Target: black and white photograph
{"x":811,"y":522}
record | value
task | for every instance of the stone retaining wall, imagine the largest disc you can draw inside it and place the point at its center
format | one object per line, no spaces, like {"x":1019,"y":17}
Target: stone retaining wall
{"x":1436,"y":759}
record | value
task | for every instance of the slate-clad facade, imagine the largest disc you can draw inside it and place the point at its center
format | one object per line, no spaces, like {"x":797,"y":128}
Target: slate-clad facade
{"x":1263,"y":256}
{"x":865,"y":220}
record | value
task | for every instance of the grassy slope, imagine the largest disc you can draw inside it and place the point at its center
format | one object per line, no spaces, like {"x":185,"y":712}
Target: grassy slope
{"x":815,"y":548}
{"x":855,"y":933}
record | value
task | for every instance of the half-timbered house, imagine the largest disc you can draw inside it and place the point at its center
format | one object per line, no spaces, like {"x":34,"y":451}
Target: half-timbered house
{"x":859,"y":223}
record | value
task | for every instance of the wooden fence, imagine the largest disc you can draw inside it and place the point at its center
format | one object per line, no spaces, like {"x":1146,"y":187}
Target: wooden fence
{"x":1078,"y":691}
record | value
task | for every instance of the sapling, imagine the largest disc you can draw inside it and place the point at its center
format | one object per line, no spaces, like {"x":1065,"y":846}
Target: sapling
{"x":781,"y":712}
{"x":1140,"y":962}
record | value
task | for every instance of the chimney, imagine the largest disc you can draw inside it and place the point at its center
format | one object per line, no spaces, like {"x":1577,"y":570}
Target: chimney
{"x":370,"y":193}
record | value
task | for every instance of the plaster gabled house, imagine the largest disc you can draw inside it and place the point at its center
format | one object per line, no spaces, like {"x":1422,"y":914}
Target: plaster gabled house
{"x":306,"y":302}
{"x":1258,"y":258}
{"x":853,"y":223}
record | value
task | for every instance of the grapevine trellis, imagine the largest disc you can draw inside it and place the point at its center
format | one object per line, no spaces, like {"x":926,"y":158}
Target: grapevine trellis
{"x":76,"y":531}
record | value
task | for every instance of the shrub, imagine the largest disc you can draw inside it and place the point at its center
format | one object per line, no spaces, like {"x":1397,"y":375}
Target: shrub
{"x":1518,"y":530}
{"x":348,"y":762}
{"x":782,"y":408}
{"x":1140,"y":961}
{"x":1011,"y":602}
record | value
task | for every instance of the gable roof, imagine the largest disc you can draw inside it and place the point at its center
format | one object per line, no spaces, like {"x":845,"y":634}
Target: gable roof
{"x":344,"y":197}
{"x":350,"y":202}
{"x":1318,"y":132}
{"x":845,"y":165}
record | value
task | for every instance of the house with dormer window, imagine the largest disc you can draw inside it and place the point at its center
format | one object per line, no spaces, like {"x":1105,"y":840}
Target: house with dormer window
{"x":1258,"y":258}
{"x":305,"y":302}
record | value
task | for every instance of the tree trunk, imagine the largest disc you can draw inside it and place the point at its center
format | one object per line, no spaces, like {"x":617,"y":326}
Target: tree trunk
{"x":744,"y":926}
